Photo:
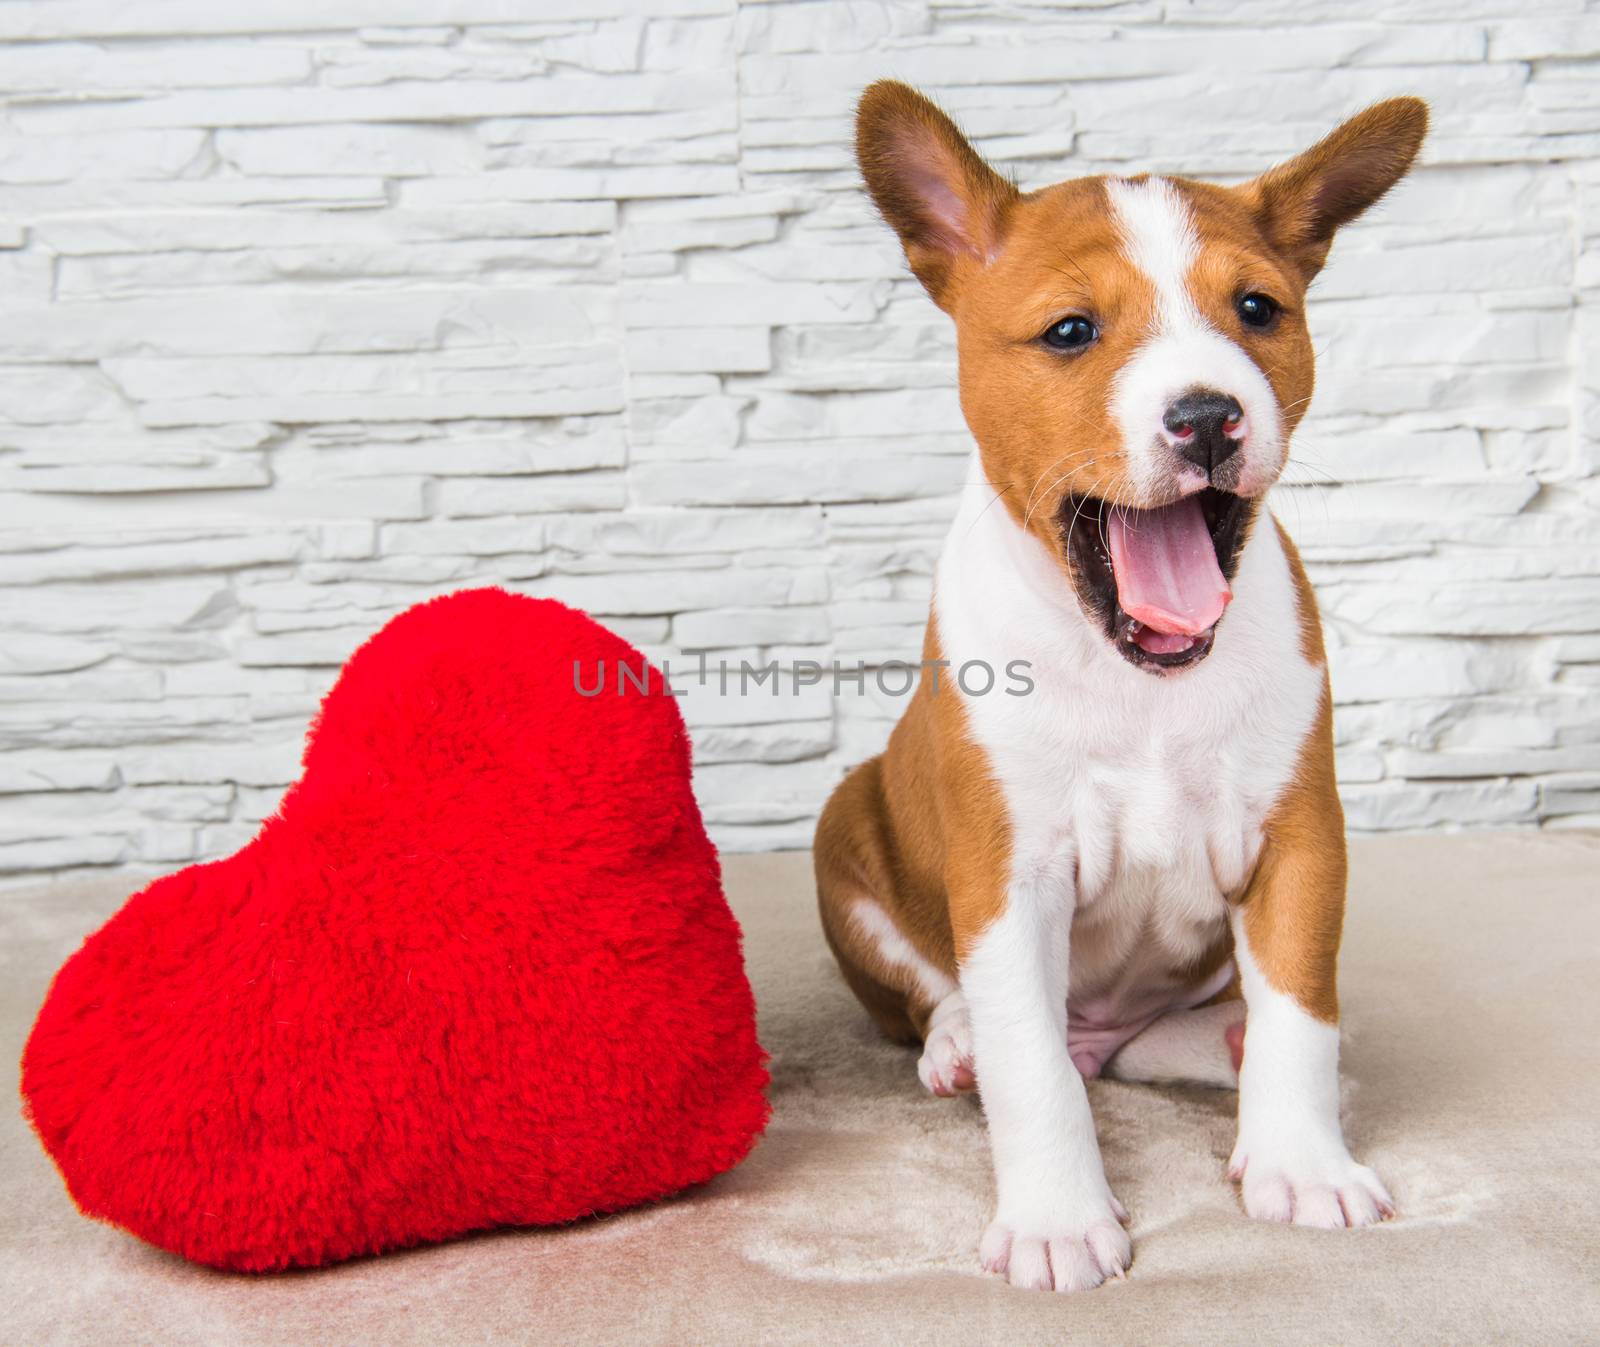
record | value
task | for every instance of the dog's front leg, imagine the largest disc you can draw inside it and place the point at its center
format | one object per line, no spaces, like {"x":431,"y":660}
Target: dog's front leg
{"x":1057,"y":1224}
{"x":1291,"y":1158}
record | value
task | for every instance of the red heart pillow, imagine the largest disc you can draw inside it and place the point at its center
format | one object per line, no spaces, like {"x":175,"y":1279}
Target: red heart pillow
{"x":477,"y":971}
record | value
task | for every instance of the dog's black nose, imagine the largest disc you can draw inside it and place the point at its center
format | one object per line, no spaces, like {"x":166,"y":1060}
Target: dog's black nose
{"x":1199,"y":422}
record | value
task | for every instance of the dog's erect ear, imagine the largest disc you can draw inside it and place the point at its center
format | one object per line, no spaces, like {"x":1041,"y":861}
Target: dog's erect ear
{"x":1302,"y":202}
{"x":947,"y":205}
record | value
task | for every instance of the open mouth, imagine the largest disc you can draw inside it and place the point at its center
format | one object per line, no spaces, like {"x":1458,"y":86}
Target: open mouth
{"x":1157,"y":580}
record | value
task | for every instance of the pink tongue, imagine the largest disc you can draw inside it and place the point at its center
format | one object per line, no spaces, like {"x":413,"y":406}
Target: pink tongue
{"x":1166,"y":568}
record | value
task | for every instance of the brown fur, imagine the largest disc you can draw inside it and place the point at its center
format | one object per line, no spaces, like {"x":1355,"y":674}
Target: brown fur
{"x":912,"y":829}
{"x":1294,"y":903}
{"x":905,"y":145}
{"x":1303,"y":202}
{"x":923,"y":830}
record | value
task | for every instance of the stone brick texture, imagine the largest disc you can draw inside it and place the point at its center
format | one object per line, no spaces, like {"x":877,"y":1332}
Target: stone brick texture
{"x":314,"y":310}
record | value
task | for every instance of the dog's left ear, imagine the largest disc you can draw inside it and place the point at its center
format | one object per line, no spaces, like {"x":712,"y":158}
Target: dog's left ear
{"x":1302,"y":202}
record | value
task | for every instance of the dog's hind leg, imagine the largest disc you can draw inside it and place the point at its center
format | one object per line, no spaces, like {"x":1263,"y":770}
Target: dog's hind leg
{"x":911,"y":993}
{"x":1203,"y":1046}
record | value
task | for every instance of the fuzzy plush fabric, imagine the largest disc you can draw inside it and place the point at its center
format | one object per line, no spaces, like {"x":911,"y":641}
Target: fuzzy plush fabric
{"x":477,"y":971}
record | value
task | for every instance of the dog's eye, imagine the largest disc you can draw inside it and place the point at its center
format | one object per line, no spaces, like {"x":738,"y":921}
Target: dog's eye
{"x":1258,"y":310}
{"x":1070,"y":334}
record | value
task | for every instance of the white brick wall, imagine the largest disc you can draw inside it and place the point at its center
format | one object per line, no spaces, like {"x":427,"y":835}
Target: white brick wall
{"x":316,"y":308}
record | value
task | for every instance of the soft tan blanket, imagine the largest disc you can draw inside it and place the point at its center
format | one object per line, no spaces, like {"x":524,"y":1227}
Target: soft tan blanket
{"x":1471,"y":975}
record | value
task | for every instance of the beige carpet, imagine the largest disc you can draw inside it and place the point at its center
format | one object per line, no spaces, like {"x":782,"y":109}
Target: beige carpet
{"x":1471,"y":972}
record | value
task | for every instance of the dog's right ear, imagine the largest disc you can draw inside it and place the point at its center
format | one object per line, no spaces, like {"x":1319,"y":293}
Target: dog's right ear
{"x":947,"y":205}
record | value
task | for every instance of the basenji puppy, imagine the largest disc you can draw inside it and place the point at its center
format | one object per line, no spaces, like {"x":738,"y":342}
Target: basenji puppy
{"x":1136,"y":869}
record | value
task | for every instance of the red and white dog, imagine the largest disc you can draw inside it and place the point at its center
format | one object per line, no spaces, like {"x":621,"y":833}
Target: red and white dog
{"x":1087,"y":879}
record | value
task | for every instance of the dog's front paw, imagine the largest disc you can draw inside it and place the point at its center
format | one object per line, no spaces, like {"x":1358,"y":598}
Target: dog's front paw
{"x":1309,"y":1185}
{"x":1060,"y":1255}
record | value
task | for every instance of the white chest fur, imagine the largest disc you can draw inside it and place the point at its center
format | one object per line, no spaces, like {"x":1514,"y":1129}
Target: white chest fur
{"x":1139,"y":800}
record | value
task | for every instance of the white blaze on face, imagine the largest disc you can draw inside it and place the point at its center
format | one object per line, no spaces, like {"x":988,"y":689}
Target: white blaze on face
{"x":1182,"y":352}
